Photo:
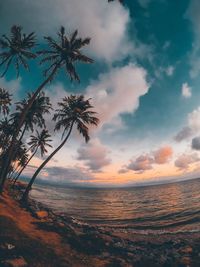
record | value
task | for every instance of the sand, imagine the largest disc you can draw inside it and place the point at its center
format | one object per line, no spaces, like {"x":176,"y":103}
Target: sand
{"x":32,"y":235}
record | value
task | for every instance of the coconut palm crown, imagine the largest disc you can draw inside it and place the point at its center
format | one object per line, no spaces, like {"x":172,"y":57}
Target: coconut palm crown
{"x":77,"y":111}
{"x":17,"y":49}
{"x":64,"y":53}
{"x":40,"y":140}
{"x":40,"y":106}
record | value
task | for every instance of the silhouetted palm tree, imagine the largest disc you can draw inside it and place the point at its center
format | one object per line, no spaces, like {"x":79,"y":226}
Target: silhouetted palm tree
{"x":63,"y":53}
{"x":17,"y":49}
{"x":35,"y":115}
{"x":74,"y":110}
{"x":40,"y":141}
{"x":5,"y":101}
{"x":6,"y":130}
{"x":21,"y":156}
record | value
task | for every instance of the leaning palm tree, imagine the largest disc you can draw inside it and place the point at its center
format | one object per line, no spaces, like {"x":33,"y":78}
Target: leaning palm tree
{"x":5,"y":101}
{"x":74,"y":110}
{"x":64,"y":52}
{"x":6,"y":130}
{"x":17,"y":49}
{"x":39,"y":141}
{"x":35,"y":115}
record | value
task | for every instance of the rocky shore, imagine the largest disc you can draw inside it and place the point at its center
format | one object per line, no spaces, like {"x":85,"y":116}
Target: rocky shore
{"x":34,"y":235}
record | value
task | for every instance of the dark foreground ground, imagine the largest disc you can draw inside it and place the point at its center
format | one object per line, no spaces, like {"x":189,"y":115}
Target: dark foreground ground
{"x":33,"y":235}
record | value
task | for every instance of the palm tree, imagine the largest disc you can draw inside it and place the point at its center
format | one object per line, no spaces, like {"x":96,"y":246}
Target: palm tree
{"x":20,"y":158}
{"x":6,"y":130}
{"x":63,"y":53}
{"x":40,"y":141}
{"x":35,"y":115}
{"x":5,"y":101}
{"x":17,"y":49}
{"x":74,"y":110}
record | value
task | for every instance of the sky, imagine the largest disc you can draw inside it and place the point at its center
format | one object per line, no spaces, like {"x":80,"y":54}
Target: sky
{"x":144,"y":84}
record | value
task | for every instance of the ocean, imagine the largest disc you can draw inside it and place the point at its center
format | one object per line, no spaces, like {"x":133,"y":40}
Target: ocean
{"x":168,"y":208}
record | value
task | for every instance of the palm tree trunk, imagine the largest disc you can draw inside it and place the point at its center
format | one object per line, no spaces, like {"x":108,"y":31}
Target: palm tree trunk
{"x":28,"y":188}
{"x":18,"y":175}
{"x":5,"y":169}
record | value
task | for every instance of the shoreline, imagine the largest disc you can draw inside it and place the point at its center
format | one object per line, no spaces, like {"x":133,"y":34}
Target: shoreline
{"x":74,"y":243}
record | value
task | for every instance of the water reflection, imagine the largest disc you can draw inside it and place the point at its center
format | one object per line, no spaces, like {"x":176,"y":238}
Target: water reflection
{"x":153,"y":207}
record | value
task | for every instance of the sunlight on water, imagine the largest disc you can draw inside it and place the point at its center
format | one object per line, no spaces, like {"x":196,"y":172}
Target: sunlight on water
{"x":172,"y":207}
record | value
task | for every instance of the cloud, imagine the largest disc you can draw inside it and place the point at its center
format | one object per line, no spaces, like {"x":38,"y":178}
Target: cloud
{"x":196,"y":143}
{"x":105,"y":23}
{"x":186,"y":90}
{"x":184,"y":133}
{"x":94,"y":154}
{"x":193,"y":126}
{"x":141,"y":164}
{"x":170,"y":70}
{"x":118,"y":92}
{"x":162,"y":155}
{"x":63,"y":175}
{"x":184,"y":160}
{"x":145,"y":162}
{"x":194,"y":119}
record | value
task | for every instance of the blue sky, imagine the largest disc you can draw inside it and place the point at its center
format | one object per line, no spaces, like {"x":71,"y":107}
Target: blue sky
{"x":144,"y":85}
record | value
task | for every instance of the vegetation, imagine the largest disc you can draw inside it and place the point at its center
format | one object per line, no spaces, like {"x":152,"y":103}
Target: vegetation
{"x":27,"y":115}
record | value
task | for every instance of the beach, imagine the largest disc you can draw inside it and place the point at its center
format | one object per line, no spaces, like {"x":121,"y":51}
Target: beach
{"x":33,"y":235}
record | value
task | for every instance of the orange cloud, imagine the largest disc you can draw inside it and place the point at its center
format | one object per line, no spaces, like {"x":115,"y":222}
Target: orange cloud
{"x":162,"y":155}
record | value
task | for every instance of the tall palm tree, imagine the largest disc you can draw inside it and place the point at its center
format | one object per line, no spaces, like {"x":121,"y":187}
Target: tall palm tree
{"x":20,"y":158}
{"x":64,"y":52}
{"x":35,"y":115}
{"x":5,"y":101}
{"x":17,"y":49}
{"x":40,"y":141}
{"x":6,"y":130}
{"x":74,"y":110}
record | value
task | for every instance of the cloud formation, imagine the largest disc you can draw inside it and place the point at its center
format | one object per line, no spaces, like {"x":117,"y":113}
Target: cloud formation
{"x":196,"y":143}
{"x":118,"y":92}
{"x":162,"y":155}
{"x":145,"y":162}
{"x":63,"y":175}
{"x":106,"y":23}
{"x":193,"y":126}
{"x":170,"y":70}
{"x":186,"y":90}
{"x":185,"y":160}
{"x":140,"y":164}
{"x":94,"y":154}
{"x":184,"y":133}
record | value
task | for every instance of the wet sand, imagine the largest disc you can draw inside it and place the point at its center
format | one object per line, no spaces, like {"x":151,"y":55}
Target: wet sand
{"x":33,"y":235}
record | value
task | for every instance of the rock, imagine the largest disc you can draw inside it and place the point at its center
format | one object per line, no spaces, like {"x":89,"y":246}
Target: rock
{"x":42,"y":214}
{"x":118,"y":245}
{"x":105,"y":255}
{"x":185,"y":261}
{"x":186,"y":250}
{"x":19,"y":262}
